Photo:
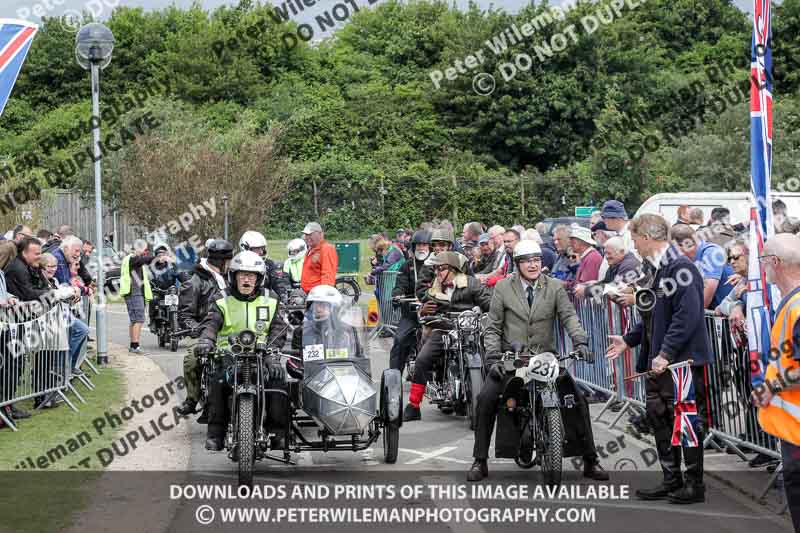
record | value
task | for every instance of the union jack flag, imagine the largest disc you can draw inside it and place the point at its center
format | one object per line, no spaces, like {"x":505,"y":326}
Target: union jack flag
{"x":683,"y":433}
{"x":760,"y":295}
{"x":16,"y":37}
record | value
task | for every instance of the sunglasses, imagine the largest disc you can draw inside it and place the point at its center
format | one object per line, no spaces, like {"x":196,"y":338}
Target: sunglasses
{"x":441,"y":268}
{"x":733,"y":258}
{"x":762,"y":257}
{"x":573,"y":257}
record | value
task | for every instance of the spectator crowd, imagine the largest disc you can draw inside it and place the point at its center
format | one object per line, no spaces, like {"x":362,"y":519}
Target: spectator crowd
{"x":599,"y":260}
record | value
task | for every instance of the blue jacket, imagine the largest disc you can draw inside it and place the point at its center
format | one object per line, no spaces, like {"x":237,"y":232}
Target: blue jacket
{"x":678,"y":328}
{"x":63,"y":274}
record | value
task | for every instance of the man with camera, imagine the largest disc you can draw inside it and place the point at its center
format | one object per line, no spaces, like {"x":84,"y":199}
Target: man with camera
{"x":524,"y":308}
{"x":672,"y":330}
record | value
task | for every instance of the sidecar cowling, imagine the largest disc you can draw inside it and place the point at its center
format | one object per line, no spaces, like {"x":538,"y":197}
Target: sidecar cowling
{"x":340,"y":396}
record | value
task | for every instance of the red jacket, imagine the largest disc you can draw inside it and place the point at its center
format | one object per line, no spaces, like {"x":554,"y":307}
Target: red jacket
{"x":589,"y":269}
{"x":320,"y":266}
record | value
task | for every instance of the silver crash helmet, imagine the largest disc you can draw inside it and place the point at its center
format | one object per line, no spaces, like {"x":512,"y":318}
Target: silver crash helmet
{"x":338,"y":392}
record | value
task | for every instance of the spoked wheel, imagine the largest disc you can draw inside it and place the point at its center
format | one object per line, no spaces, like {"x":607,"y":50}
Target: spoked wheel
{"x":472,"y":388}
{"x":553,"y":439}
{"x":349,"y":288}
{"x":246,"y":441}
{"x":525,"y":458}
{"x":391,"y":442}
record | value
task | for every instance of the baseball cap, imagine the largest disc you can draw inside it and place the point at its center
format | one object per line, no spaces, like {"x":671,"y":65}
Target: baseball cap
{"x":311,"y":227}
{"x":484,"y":238}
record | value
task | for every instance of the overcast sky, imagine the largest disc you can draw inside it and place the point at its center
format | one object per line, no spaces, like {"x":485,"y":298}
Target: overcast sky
{"x":26,"y":8}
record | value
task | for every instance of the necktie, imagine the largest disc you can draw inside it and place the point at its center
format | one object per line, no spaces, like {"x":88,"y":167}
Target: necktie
{"x":530,"y":296}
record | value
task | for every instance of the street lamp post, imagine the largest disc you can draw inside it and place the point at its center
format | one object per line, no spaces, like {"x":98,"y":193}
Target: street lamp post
{"x":94,"y":44}
{"x":225,"y":199}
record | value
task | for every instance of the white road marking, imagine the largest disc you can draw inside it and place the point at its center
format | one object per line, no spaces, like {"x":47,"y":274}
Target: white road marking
{"x":438,"y":454}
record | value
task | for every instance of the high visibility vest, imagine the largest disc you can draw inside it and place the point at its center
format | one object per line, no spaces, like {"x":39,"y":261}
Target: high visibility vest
{"x":125,"y":279}
{"x":238,"y":315}
{"x":782,"y":417}
{"x":294,"y":267}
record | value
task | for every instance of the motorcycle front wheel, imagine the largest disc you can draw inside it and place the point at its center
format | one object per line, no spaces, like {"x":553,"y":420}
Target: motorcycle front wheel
{"x":246,"y":440}
{"x":552,"y":438}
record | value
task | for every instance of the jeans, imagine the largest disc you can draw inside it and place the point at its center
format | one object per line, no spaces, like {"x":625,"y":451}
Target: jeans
{"x":78,"y":332}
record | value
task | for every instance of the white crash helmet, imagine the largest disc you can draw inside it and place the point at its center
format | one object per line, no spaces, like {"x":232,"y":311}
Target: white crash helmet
{"x":526,"y":249}
{"x":296,"y":247}
{"x":253,"y":239}
{"x":247,"y":261}
{"x":323,"y":294}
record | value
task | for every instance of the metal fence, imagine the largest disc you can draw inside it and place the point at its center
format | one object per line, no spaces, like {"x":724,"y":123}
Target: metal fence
{"x":34,"y":355}
{"x":61,"y":206}
{"x":388,"y":314}
{"x":732,"y":418}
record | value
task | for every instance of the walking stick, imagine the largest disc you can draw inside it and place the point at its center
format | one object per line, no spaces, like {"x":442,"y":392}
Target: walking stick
{"x":649,"y":372}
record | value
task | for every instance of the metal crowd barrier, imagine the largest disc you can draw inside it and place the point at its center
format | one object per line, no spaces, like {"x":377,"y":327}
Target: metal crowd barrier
{"x":34,"y":354}
{"x":732,"y":419}
{"x":388,"y":315}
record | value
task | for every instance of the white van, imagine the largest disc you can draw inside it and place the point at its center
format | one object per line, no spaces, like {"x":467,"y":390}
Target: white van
{"x":667,"y":204}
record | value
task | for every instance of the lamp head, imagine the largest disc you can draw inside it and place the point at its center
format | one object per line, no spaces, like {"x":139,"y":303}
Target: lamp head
{"x":94,"y":43}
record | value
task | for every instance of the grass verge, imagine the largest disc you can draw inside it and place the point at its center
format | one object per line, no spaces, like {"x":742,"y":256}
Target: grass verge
{"x":22,"y":507}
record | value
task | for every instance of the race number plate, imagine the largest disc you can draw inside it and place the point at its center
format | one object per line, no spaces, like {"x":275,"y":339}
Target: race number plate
{"x":313,"y":352}
{"x":543,"y":367}
{"x":171,"y":299}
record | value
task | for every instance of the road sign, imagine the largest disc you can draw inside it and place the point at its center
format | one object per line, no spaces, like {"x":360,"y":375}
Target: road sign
{"x":584,"y":211}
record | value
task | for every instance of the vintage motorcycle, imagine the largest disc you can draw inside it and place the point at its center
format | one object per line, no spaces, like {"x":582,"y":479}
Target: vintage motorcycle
{"x":457,"y":378}
{"x":331,"y":402}
{"x":165,"y":317}
{"x":334,"y":404}
{"x":530,"y":428}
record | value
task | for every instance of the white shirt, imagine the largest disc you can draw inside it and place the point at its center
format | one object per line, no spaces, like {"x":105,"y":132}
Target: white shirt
{"x":217,"y":276}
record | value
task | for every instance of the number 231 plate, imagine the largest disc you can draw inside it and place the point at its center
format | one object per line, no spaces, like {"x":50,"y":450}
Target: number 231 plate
{"x":543,"y":367}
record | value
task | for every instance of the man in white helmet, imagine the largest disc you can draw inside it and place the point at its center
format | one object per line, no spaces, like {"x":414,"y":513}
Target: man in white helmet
{"x":275,"y":279}
{"x":248,"y":300}
{"x":293,"y":266}
{"x":524,"y":309}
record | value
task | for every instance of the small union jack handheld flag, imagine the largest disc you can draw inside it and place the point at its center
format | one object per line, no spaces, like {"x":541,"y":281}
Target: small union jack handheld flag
{"x":683,"y":433}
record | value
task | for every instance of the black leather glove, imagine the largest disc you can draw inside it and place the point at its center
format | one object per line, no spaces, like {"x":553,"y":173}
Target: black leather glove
{"x":585,"y":353}
{"x":203,"y":348}
{"x":276,"y":372}
{"x":497,"y":371}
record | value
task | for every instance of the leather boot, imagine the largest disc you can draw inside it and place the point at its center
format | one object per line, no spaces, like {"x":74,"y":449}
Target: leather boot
{"x":214,"y":444}
{"x":188,"y":407}
{"x":593,"y":470}
{"x":689,"y":493}
{"x":478,"y":470}
{"x":411,"y":413}
{"x":660,"y":492}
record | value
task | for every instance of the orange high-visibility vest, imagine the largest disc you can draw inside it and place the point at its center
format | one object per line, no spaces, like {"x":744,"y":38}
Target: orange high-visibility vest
{"x":782,"y":417}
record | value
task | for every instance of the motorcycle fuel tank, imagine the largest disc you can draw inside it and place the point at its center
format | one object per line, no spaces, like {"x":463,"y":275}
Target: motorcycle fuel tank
{"x":341,"y":397}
